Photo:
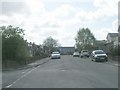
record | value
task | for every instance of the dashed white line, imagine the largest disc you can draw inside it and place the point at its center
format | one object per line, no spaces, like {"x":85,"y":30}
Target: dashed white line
{"x":21,"y":77}
{"x":63,"y":70}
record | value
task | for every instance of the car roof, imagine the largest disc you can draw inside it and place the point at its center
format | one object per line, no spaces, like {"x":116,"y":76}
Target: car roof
{"x":76,"y":52}
{"x":55,"y":52}
{"x":84,"y":50}
{"x":98,"y":50}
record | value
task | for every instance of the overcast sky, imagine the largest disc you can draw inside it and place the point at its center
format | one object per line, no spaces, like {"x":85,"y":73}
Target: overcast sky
{"x":60,"y":19}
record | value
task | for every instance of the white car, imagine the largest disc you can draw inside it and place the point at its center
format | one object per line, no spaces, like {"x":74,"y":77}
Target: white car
{"x":84,"y":53}
{"x":55,"y":55}
{"x":76,"y":54}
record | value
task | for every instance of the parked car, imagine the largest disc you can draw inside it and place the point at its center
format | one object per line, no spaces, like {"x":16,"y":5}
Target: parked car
{"x":84,"y":53}
{"x":55,"y":55}
{"x":76,"y":54}
{"x":99,"y":55}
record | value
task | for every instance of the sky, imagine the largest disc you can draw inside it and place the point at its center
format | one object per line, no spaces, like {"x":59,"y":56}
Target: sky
{"x":60,"y":19}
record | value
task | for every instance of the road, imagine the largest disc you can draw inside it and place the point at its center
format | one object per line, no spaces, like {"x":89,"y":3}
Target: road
{"x":67,"y":72}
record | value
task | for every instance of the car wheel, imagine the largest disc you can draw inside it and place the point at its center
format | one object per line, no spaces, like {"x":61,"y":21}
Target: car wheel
{"x":106,"y":60}
{"x":95,"y":60}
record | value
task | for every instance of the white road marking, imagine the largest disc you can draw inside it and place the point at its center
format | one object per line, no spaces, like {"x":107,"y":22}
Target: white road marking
{"x":9,"y":86}
{"x":22,"y":77}
{"x":117,"y":65}
{"x":23,"y":72}
{"x":63,"y":70}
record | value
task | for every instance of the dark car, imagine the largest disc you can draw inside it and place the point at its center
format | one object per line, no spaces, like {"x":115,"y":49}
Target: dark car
{"x":84,"y":53}
{"x":99,"y":55}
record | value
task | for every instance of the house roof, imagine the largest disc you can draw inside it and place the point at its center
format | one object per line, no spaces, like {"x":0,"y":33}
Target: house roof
{"x":113,"y":34}
{"x":101,"y":41}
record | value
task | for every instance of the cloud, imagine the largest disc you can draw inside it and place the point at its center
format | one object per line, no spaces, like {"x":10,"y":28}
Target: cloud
{"x":104,"y":9}
{"x":10,"y":8}
{"x":36,"y":7}
{"x":61,"y":23}
{"x":115,"y":25}
{"x":109,"y":8}
{"x":64,"y":10}
{"x":101,"y":33}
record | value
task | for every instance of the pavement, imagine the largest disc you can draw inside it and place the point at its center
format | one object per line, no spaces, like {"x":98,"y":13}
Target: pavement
{"x":11,"y":75}
{"x":113,"y":62}
{"x":33,"y":64}
{"x":67,"y":72}
{"x":38,"y":62}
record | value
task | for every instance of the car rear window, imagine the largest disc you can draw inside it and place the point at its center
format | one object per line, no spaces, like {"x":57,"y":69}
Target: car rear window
{"x":76,"y":52}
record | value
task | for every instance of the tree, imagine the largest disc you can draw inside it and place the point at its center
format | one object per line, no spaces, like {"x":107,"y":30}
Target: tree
{"x":11,"y":31}
{"x":50,"y":45}
{"x":14,"y":47}
{"x":85,"y":39}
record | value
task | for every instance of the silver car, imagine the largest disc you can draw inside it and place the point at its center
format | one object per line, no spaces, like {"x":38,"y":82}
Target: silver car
{"x":99,"y":55}
{"x":76,"y":54}
{"x":55,"y":55}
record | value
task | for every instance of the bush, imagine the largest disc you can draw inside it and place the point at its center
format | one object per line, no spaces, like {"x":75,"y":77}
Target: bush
{"x":115,"y":51}
{"x":14,"y":47}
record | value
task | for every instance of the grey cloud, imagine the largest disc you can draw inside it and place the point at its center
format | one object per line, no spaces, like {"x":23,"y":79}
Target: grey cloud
{"x":10,"y":8}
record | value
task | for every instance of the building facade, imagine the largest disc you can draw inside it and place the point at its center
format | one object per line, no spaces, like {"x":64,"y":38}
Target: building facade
{"x":112,"y":41}
{"x":66,"y":50}
{"x":112,"y":38}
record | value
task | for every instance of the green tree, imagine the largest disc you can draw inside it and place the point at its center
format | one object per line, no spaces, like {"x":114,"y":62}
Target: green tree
{"x":50,"y":45}
{"x":11,"y":31}
{"x":14,"y":47}
{"x":85,"y":39}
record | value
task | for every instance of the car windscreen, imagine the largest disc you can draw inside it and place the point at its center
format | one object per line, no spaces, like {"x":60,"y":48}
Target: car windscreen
{"x":99,"y":52}
{"x":84,"y":52}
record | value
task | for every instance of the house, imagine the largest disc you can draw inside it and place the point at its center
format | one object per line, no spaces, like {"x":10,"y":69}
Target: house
{"x":112,"y":38}
{"x":119,"y":35}
{"x":30,"y":49}
{"x":33,"y":48}
{"x":66,"y":50}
